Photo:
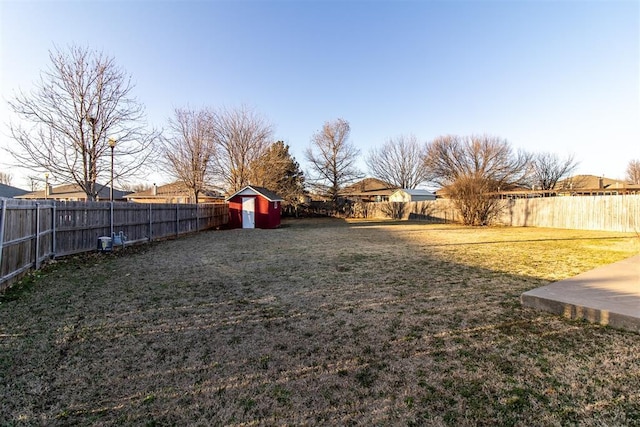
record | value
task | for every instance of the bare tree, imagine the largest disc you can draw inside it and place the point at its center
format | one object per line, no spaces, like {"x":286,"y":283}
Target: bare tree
{"x":332,"y":158}
{"x":34,"y":183}
{"x":633,"y":171}
{"x":242,"y":136}
{"x":5,"y":178}
{"x":547,"y":169}
{"x":190,"y":148}
{"x":472,"y":169}
{"x":135,"y":188}
{"x":82,"y":100}
{"x":400,"y":161}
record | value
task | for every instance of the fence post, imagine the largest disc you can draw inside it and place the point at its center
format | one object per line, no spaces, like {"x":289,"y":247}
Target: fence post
{"x":177,"y":220}
{"x":37,"y":236}
{"x":2,"y":223}
{"x":197,"y":218}
{"x":150,"y":224}
{"x":53,"y":230}
{"x":111,"y":221}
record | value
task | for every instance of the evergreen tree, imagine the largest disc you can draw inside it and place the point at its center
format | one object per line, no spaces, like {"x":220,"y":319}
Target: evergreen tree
{"x":278,"y":171}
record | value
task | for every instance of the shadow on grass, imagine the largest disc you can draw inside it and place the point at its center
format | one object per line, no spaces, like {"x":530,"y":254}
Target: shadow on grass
{"x":315,"y":328}
{"x":506,"y":241}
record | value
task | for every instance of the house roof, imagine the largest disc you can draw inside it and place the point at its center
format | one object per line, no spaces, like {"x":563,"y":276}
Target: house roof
{"x":369,"y":186}
{"x":10,"y":192}
{"x":578,"y":184}
{"x":267,"y":194}
{"x":74,"y":191}
{"x":177,"y":188}
{"x":584,"y":181}
{"x":443,"y":192}
{"x":591,"y":182}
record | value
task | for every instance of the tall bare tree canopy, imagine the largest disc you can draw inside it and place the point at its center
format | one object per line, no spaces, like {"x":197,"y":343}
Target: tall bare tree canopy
{"x":34,"y":183}
{"x":190,"y":148}
{"x":332,"y":158}
{"x":135,"y":187}
{"x":547,"y":169}
{"x":81,"y":101}
{"x":400,"y":161}
{"x":633,"y":171}
{"x":242,"y":136}
{"x":278,"y":171}
{"x":5,"y":178}
{"x":471,"y":168}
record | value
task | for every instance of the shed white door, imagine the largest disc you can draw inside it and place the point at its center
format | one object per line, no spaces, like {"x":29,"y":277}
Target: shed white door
{"x":248,"y":212}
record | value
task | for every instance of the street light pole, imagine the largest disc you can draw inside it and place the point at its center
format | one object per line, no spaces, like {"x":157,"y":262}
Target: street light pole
{"x":46,"y":185}
{"x":112,"y":144}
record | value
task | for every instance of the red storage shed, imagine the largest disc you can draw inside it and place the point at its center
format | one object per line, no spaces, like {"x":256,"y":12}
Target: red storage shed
{"x":254,"y":207}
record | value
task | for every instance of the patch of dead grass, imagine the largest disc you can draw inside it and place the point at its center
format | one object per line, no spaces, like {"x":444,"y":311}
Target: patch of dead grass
{"x":321,"y":322}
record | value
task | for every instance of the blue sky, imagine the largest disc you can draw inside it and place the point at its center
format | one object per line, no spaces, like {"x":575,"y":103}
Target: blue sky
{"x":560,"y":76}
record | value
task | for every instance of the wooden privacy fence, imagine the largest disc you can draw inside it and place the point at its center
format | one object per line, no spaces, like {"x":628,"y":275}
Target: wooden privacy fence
{"x":433,"y":211}
{"x":605,"y":213}
{"x":32,"y":232}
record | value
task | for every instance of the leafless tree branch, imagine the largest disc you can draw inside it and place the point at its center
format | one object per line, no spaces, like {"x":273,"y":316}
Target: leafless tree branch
{"x":81,"y":101}
{"x":472,"y":169}
{"x":5,"y":178}
{"x":400,"y":161}
{"x":332,"y":158}
{"x":547,"y":169}
{"x":190,"y":148}
{"x":633,"y":171}
{"x":242,"y":136}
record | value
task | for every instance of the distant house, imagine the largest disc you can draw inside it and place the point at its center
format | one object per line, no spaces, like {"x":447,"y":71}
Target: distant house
{"x":254,"y":207}
{"x":10,"y":192}
{"x":175,"y":192}
{"x":592,"y":185}
{"x":578,"y":185}
{"x":368,"y":190}
{"x":411,"y":195}
{"x":74,"y":193}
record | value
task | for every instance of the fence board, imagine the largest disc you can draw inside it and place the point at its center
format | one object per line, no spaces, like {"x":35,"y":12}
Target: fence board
{"x":605,"y":213}
{"x":31,"y":232}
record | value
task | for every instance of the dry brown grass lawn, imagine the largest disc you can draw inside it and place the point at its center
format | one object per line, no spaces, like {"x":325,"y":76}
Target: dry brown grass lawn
{"x":319,"y":322}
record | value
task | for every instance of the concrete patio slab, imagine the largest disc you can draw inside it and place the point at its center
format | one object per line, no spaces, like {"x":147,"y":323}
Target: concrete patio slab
{"x":608,"y":295}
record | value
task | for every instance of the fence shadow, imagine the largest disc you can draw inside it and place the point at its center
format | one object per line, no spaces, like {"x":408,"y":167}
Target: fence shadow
{"x":32,"y":232}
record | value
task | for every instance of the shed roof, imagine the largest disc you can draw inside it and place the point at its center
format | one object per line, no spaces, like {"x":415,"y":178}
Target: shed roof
{"x":267,"y":194}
